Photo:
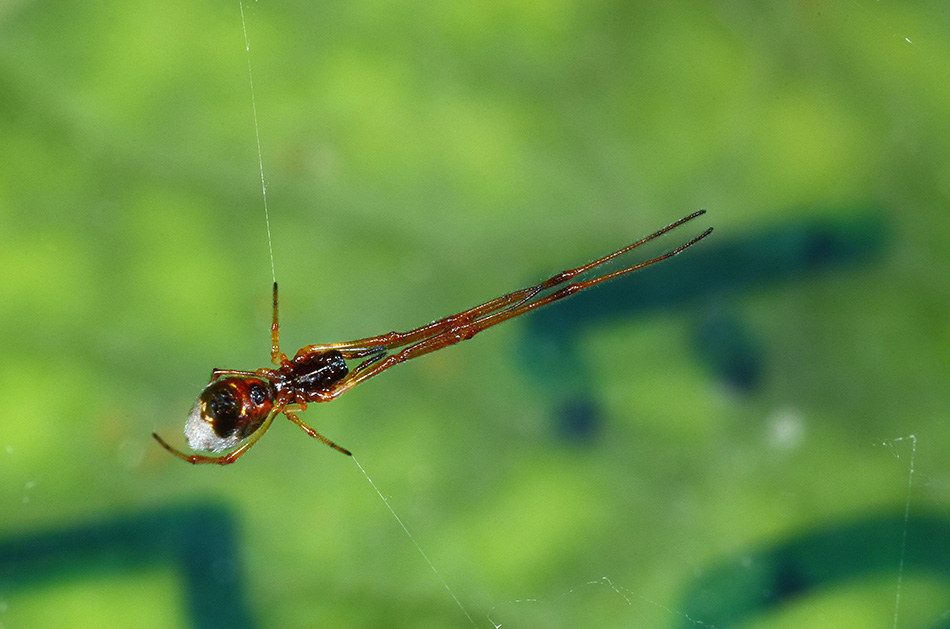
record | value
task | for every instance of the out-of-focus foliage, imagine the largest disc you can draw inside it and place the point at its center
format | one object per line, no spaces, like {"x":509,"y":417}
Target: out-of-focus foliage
{"x":423,"y":157}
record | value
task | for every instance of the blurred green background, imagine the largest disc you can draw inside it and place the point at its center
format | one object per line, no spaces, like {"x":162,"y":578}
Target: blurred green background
{"x":421,"y":158}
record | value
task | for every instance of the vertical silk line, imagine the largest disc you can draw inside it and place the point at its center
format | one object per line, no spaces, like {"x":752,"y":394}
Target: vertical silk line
{"x":270,"y":246}
{"x":257,"y":134}
{"x":910,"y":483}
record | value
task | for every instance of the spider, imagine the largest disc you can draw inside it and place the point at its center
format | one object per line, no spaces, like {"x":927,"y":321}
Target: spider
{"x":237,"y":407}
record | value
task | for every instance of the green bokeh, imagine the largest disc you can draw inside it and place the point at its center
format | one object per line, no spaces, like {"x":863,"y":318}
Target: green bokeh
{"x":421,"y":158}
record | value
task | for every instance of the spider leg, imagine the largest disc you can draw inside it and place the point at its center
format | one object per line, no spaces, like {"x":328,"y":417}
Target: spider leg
{"x":217,"y":373}
{"x":276,"y":356}
{"x":313,"y":433}
{"x":464,"y":326}
{"x":375,"y":345}
{"x":224,"y":459}
{"x":511,"y":302}
{"x":523,"y":307}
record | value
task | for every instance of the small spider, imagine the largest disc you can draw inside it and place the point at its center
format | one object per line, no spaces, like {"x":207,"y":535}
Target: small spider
{"x":239,"y":406}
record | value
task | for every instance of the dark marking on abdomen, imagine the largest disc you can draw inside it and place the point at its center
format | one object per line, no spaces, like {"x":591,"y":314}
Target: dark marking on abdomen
{"x":320,"y":372}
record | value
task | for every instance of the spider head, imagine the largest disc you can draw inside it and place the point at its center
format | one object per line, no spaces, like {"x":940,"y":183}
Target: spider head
{"x":227,"y":411}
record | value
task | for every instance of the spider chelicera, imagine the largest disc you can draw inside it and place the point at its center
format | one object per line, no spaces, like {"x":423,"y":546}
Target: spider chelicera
{"x":237,"y":407}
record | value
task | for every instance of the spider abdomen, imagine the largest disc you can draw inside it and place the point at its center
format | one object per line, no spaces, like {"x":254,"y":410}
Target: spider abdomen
{"x":318,"y":372}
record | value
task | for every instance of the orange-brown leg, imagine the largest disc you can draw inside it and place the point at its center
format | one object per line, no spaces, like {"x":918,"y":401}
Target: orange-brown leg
{"x":224,"y":459}
{"x":463,"y":327}
{"x":518,"y":301}
{"x":313,"y":433}
{"x":276,"y":356}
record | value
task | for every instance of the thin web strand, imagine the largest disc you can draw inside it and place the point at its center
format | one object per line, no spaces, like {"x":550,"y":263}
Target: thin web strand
{"x":257,"y":134}
{"x":415,"y":543}
{"x":910,"y":483}
{"x":624,"y":593}
{"x":270,"y":246}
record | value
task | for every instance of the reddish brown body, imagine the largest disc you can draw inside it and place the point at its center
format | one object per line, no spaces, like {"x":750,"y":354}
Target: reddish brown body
{"x":237,"y":407}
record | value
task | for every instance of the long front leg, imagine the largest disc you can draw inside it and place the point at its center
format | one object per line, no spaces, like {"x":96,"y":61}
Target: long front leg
{"x":464,"y":327}
{"x":506,"y":303}
{"x":391,"y":340}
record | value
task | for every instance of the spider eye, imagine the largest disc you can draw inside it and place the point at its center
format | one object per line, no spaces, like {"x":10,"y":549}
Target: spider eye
{"x":257,"y":394}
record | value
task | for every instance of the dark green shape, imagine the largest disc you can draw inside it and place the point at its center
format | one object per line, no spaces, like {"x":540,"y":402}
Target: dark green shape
{"x":701,"y":278}
{"x":759,"y":581}
{"x":202,"y":541}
